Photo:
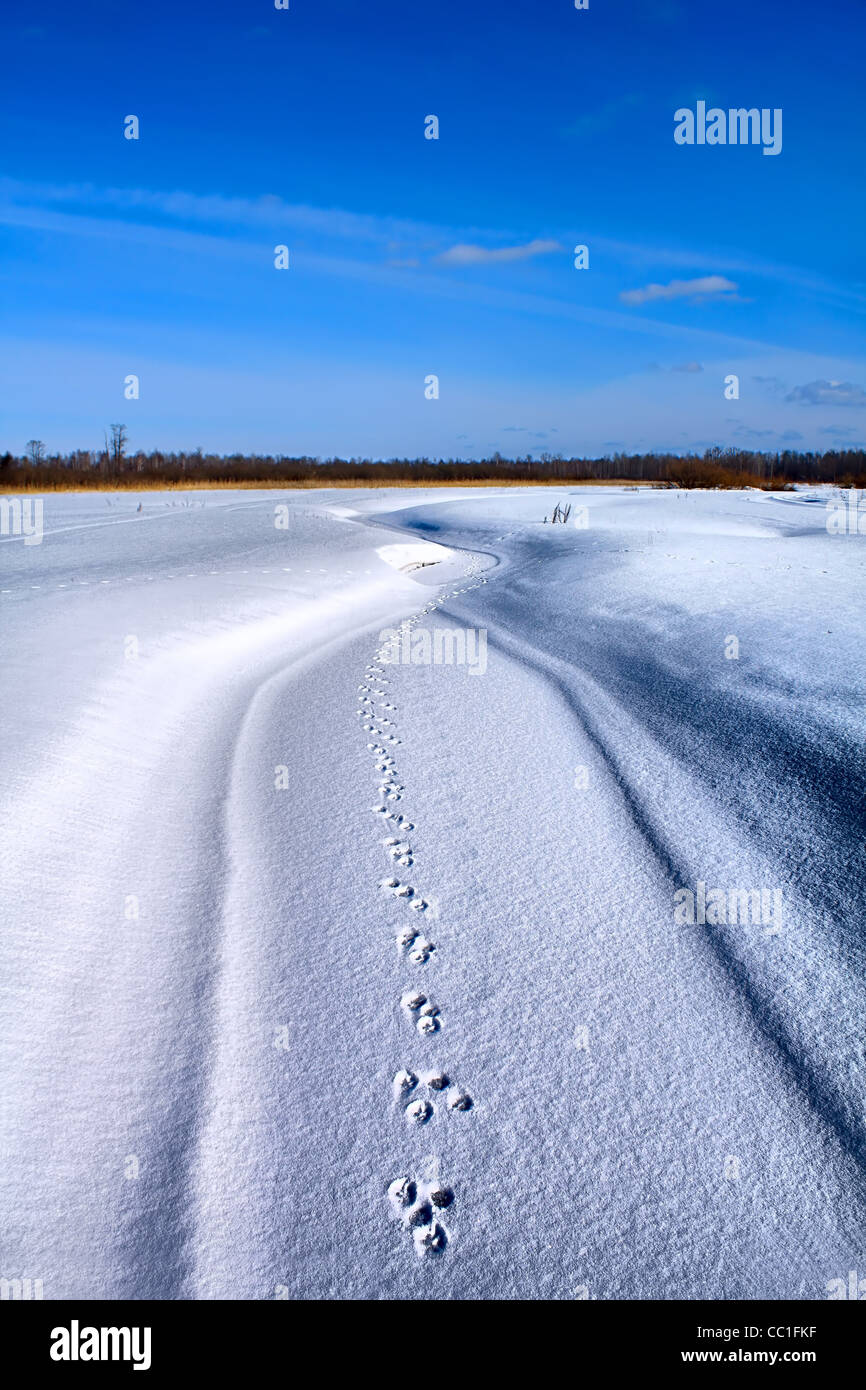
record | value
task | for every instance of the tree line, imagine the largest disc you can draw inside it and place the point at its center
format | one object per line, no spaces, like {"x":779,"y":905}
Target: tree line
{"x":112,"y":466}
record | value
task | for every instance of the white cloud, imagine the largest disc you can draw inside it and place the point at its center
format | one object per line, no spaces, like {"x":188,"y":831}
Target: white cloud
{"x":482,"y":255}
{"x":828,"y":393}
{"x":705,"y":287}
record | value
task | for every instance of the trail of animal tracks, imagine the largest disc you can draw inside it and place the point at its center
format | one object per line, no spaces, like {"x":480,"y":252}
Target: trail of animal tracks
{"x":406,"y":898}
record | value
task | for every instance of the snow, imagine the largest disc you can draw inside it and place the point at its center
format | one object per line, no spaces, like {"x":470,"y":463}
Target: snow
{"x":414,"y":554}
{"x":229,"y":1055}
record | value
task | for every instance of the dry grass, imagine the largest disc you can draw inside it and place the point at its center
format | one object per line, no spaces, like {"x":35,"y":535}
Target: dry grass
{"x":131,"y":483}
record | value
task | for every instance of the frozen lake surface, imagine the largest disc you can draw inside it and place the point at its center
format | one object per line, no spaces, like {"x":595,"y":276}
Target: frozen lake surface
{"x":532,"y":973}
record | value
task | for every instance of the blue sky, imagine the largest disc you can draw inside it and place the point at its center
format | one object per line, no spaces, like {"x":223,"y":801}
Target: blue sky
{"x":411,"y":257}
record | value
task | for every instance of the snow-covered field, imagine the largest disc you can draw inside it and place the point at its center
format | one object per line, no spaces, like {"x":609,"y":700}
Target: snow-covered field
{"x":330,"y":975}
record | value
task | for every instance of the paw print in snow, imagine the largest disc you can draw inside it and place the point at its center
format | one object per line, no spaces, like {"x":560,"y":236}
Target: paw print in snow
{"x":418,"y":1110}
{"x":418,"y":1207}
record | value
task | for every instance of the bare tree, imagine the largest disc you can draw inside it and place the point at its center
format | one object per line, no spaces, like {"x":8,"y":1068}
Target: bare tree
{"x":36,"y":451}
{"x":118,"y":443}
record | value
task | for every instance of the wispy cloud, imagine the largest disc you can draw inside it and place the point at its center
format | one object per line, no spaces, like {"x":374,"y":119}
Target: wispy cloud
{"x":749,"y":432}
{"x":705,"y":287}
{"x":162,"y":220}
{"x":465,"y":254}
{"x":828,"y":393}
{"x":421,"y":281}
{"x":773,"y":385}
{"x":689,"y":367}
{"x":401,"y":237}
{"x":213,"y":209}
